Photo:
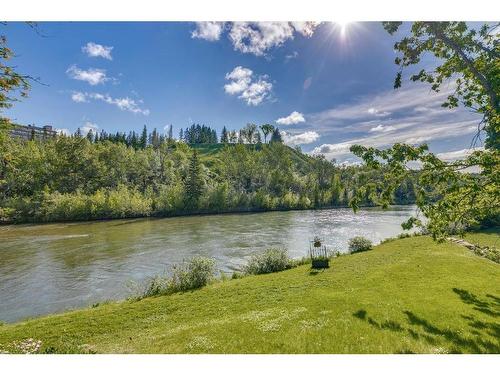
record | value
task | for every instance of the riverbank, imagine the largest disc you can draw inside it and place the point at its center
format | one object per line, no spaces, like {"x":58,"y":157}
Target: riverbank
{"x":406,"y":296}
{"x":240,"y":210}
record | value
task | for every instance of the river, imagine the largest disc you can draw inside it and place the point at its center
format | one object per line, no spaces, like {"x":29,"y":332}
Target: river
{"x":54,"y":267}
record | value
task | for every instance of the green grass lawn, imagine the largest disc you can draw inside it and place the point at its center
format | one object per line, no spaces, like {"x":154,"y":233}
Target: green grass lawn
{"x":406,"y":296}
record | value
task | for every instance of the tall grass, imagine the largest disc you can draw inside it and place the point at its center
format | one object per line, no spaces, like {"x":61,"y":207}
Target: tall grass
{"x":196,"y":273}
{"x":271,"y":260}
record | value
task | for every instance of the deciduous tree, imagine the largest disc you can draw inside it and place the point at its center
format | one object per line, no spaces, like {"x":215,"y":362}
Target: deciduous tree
{"x":464,"y":192}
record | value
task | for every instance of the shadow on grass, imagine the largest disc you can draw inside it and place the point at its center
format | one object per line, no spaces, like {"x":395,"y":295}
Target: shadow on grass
{"x":477,"y":341}
{"x":491,"y":308}
{"x":388,"y":324}
{"x":314,"y":272}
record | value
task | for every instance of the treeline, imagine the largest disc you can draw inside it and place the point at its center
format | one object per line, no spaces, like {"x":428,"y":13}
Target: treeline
{"x":198,"y":134}
{"x":194,"y":135}
{"x":132,"y":139}
{"x":75,"y":178}
{"x":251,"y":134}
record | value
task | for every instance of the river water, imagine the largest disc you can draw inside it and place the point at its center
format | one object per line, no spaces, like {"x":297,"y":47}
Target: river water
{"x":54,"y":267}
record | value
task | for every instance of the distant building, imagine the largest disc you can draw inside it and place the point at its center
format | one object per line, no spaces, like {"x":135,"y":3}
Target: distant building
{"x":32,"y":132}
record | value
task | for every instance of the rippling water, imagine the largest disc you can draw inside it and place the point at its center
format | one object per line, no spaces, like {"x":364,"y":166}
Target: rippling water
{"x":54,"y":267}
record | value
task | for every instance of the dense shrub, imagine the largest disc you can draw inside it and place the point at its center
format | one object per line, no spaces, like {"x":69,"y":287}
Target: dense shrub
{"x":198,"y":272}
{"x":358,"y":244}
{"x":120,"y":202}
{"x":271,"y":260}
{"x":170,"y":199}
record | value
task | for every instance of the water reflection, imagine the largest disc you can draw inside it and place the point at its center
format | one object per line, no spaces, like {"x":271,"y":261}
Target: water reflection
{"x":53,"y":267}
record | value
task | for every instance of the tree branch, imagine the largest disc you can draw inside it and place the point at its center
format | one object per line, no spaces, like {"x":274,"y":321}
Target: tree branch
{"x":456,"y":48}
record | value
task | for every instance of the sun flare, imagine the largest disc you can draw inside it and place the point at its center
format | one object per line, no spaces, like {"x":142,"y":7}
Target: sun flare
{"x":342,"y":26}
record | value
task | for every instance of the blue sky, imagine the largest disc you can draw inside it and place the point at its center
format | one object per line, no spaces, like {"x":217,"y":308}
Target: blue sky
{"x":326,"y":86}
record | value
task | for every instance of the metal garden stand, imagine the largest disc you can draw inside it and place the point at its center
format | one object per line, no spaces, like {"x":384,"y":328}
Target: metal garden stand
{"x":319,"y":254}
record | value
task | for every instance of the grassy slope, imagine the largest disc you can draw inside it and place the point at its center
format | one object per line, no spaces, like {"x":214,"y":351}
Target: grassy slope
{"x":210,"y":155}
{"x":409,"y":295}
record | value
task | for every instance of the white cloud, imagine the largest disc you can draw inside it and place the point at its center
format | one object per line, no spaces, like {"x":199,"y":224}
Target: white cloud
{"x":91,"y":76}
{"x":416,"y":116}
{"x":63,"y":131}
{"x":258,"y":37}
{"x":376,"y":112}
{"x":97,"y":50}
{"x":210,"y":31}
{"x":242,"y":83}
{"x":351,"y":162}
{"x":299,"y":139}
{"x":78,"y":97}
{"x":382,"y":128}
{"x":408,"y":133}
{"x":254,"y":37}
{"x":305,"y":28}
{"x":88,"y":126}
{"x":457,"y":154}
{"x":415,"y":98}
{"x":240,"y":78}
{"x":291,"y":56}
{"x":293,"y":118}
{"x":337,"y":148}
{"x":125,"y":104}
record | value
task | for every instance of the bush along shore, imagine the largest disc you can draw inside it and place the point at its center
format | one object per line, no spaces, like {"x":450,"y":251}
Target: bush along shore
{"x":439,"y":298}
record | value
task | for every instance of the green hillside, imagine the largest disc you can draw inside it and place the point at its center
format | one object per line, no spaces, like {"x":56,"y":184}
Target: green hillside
{"x":210,"y":154}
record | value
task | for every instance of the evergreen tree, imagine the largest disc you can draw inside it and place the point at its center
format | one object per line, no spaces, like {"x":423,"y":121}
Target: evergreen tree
{"x":90,"y":136}
{"x":134,"y":142}
{"x":194,"y":182}
{"x":200,"y":134}
{"x":224,"y":138}
{"x":276,"y":136}
{"x":155,"y":138}
{"x":170,"y":133}
{"x":181,"y":135}
{"x":144,"y":138}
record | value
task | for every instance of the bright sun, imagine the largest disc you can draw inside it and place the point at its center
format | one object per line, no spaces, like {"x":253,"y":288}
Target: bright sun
{"x":342,"y":25}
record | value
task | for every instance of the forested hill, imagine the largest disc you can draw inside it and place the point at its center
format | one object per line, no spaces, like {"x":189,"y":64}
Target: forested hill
{"x":76,"y":178}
